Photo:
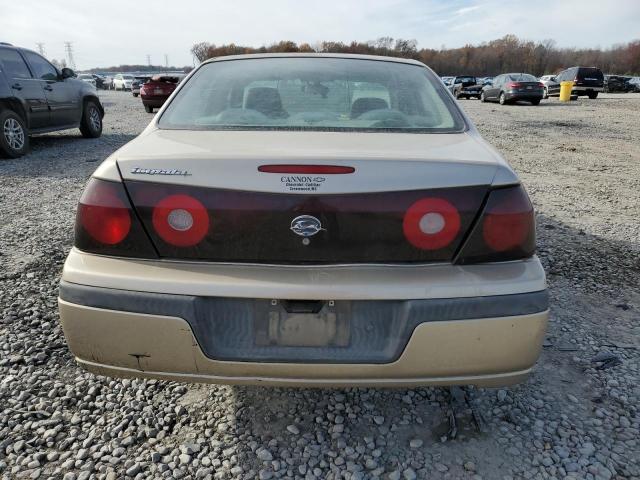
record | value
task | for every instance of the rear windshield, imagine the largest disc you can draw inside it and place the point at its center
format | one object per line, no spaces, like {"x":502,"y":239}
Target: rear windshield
{"x":166,"y":79}
{"x":313,"y":94}
{"x":522,"y":77}
{"x":587,"y":73}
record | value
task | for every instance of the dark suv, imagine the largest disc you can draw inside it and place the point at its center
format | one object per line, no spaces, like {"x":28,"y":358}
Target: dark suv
{"x":36,"y":97}
{"x":586,"y":81}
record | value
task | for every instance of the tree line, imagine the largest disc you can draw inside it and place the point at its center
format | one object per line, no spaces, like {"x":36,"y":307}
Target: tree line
{"x":138,"y":68}
{"x":507,"y":54}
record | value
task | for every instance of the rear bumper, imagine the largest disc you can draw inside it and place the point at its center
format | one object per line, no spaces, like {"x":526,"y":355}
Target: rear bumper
{"x":538,"y":94}
{"x":485,"y":352}
{"x":586,"y":89}
{"x":408,"y":325}
{"x":156,"y":102}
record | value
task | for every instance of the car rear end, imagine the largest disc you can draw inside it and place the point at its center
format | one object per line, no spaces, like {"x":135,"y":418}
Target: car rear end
{"x":156,"y":91}
{"x":306,"y":256}
{"x":523,"y":87}
{"x":588,"y":81}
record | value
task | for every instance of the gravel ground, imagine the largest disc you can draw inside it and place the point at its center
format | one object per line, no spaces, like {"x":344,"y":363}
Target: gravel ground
{"x":577,"y":417}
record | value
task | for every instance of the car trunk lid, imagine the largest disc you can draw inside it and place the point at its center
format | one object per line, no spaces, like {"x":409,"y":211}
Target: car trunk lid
{"x":371,"y":211}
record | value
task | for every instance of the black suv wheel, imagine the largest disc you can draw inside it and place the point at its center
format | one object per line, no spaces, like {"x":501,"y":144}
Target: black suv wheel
{"x":14,"y":137}
{"x":91,"y":124}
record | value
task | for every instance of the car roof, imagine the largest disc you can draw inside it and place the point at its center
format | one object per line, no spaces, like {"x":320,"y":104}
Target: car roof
{"x":317,"y":55}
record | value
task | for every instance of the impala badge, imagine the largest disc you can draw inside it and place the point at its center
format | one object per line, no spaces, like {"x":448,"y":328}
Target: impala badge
{"x":159,"y":171}
{"x":306,"y":225}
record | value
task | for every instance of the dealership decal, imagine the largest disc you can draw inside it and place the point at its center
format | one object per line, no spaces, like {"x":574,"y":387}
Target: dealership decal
{"x":304,"y":183}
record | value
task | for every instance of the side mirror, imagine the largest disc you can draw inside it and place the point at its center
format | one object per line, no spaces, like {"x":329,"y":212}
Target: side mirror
{"x":68,"y":73}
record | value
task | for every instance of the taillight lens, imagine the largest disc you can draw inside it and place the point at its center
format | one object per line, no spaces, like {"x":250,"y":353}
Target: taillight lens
{"x":180,"y":220}
{"x":104,"y":214}
{"x":504,"y":231}
{"x":105,"y":222}
{"x":431,"y":223}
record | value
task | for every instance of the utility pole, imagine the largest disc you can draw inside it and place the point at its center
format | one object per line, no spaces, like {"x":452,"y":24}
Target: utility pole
{"x":166,"y":61}
{"x":40,"y":46}
{"x":68,"y":47}
{"x":148,"y":59}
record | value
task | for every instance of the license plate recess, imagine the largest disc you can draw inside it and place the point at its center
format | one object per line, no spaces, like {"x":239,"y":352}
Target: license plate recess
{"x":295,"y":323}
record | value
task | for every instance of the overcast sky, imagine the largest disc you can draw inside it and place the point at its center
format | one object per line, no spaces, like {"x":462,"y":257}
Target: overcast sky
{"x":114,"y":32}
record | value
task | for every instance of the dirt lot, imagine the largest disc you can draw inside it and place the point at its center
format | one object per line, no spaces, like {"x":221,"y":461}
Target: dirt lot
{"x":576,"y":417}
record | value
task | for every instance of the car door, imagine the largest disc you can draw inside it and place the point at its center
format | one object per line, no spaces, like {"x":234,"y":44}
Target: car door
{"x":494,"y":89}
{"x":554,"y":86}
{"x":25,"y":87}
{"x":63,"y":94}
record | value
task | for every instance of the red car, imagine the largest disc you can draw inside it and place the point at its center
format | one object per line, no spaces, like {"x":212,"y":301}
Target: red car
{"x":156,"y":91}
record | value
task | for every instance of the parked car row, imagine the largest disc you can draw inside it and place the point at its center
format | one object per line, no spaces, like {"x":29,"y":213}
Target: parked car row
{"x":511,"y":87}
{"x":621,"y":83}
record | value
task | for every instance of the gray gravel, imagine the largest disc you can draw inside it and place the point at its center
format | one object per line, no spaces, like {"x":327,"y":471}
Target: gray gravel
{"x":576,"y":418}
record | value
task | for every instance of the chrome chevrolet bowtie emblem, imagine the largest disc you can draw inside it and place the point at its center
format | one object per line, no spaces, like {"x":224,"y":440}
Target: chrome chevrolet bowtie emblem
{"x":306,"y":225}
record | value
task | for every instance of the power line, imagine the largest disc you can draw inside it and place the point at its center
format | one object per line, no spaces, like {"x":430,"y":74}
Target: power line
{"x":40,"y":46}
{"x":68,"y":47}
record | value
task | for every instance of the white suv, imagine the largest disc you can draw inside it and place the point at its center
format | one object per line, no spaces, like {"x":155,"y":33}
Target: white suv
{"x":122,"y":82}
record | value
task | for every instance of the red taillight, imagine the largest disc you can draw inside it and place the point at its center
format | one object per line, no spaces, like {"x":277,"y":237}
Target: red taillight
{"x":507,"y":225}
{"x":106,"y":223}
{"x":306,"y":169}
{"x":431,"y":223}
{"x":180,"y":220}
{"x":505,"y":230}
{"x":513,"y":85}
{"x":104,"y":214}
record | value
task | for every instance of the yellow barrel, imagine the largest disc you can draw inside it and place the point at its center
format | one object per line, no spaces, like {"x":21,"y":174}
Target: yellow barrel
{"x":565,"y":91}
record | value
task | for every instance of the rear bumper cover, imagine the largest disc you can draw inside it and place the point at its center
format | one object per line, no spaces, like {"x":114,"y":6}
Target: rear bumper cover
{"x":485,"y":352}
{"x":226,"y":329}
{"x":409,"y":325}
{"x":153,"y":101}
{"x":533,"y":95}
{"x":586,"y":88}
